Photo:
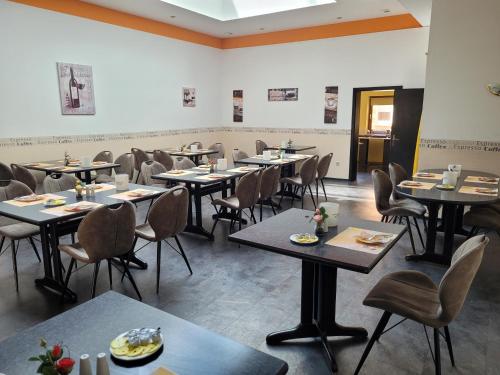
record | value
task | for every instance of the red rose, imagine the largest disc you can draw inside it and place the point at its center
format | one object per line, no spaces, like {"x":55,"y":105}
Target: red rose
{"x":56,"y":352}
{"x":65,"y":365}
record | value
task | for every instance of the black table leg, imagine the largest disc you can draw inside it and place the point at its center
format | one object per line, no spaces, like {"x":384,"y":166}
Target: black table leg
{"x":88,"y":177}
{"x":196,"y":228}
{"x":449,"y":215}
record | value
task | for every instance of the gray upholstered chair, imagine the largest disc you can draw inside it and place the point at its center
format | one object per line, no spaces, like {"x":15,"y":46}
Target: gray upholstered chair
{"x":5,"y":174}
{"x":167,"y":218}
{"x":397,"y":175}
{"x":392,"y":210}
{"x":303,"y":180}
{"x":220,"y":151}
{"x":163,"y":158}
{"x":184,"y":163}
{"x":198,"y":144}
{"x":260,"y":146}
{"x":239,"y":155}
{"x":103,"y":234}
{"x":322,"y":170}
{"x":126,"y":166}
{"x":246,"y":196}
{"x":149,"y":169}
{"x":140,"y":157}
{"x":24,"y":175}
{"x":483,"y":217}
{"x":59,"y":182}
{"x":269,"y":186}
{"x":413,"y":295}
{"x":14,"y":230}
{"x":106,"y":156}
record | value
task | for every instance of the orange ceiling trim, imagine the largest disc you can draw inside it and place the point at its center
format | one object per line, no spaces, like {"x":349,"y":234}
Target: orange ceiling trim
{"x":114,"y":17}
{"x":372,"y":25}
{"x":98,"y":13}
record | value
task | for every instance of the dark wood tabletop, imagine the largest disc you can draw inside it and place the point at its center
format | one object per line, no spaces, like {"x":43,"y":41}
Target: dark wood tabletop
{"x":90,"y":327}
{"x":33,"y":215}
{"x":292,"y":148}
{"x":259,"y":160}
{"x":58,"y":166}
{"x":195,"y":173}
{"x":273,"y":235}
{"x":452,"y":197}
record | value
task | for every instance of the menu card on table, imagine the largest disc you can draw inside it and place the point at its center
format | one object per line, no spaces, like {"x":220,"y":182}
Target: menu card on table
{"x":70,"y":209}
{"x":31,"y":200}
{"x":364,"y":240}
{"x":491,"y":192}
{"x":483,"y":180}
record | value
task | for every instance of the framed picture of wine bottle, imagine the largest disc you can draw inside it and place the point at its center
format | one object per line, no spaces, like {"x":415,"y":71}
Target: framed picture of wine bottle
{"x":76,"y":89}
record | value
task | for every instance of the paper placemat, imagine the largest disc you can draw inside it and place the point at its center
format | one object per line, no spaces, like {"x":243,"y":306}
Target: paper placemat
{"x":163,"y":371}
{"x":103,"y":187}
{"x":64,"y":169}
{"x":280,"y":161}
{"x":473,"y":190}
{"x":347,"y":240}
{"x":262,"y":157}
{"x":46,"y":197}
{"x":129,"y":194}
{"x":435,"y":176}
{"x":298,"y":156}
{"x":39,"y":165}
{"x":423,"y":186}
{"x":170,"y":174}
{"x":243,"y":169}
{"x":477,"y":179}
{"x":61,"y":210}
{"x":212,"y":177}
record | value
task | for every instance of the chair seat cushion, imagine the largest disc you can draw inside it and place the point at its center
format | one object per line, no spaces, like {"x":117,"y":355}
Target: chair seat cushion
{"x":410,"y":294}
{"x":295,"y":180}
{"x":19,"y":231}
{"x":483,"y":217}
{"x":404,"y":207}
{"x":75,"y":251}
{"x":145,"y":231}
{"x":232,"y":202}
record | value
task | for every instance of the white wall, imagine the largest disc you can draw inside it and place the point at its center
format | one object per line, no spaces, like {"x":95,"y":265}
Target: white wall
{"x":138,"y":77}
{"x":464,"y":56}
{"x":379,"y":59}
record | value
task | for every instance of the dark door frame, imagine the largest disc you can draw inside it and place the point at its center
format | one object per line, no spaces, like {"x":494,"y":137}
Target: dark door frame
{"x":353,"y":158}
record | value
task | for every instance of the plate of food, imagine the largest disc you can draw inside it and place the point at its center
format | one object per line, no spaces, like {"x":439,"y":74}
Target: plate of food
{"x":487,"y":179}
{"x":55,"y":202}
{"x":204,"y":166}
{"x":425,"y":174}
{"x":445,"y":187}
{"x":486,"y":190}
{"x":373,"y":239}
{"x":29,"y":198}
{"x":136,"y":344}
{"x":304,"y":238}
{"x":79,"y":207}
{"x":411,"y":183}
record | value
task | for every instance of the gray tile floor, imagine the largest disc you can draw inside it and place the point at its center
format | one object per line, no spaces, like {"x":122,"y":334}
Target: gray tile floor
{"x":245,"y":293}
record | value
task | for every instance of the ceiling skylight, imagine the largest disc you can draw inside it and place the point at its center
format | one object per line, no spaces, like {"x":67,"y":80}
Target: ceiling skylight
{"x":225,"y":10}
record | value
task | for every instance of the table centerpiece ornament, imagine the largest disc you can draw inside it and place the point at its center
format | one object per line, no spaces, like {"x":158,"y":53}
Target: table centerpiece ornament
{"x":319,"y":219}
{"x":52,"y":361}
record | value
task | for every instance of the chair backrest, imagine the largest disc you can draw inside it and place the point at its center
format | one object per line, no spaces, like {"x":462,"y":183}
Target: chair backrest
{"x":106,"y":233}
{"x":5,"y":174}
{"x":169,"y":213}
{"x":140,"y":157}
{"x":164,"y":159}
{"x":260,"y":146}
{"x":55,"y":183}
{"x":270,"y":181}
{"x":324,"y":165}
{"x":184,"y":163}
{"x":14,"y":189}
{"x":382,"y":187}
{"x":150,"y":168}
{"x":456,"y":282}
{"x":308,"y":170}
{"x":238,"y":155}
{"x":126,"y":162}
{"x":106,"y":156}
{"x":220,"y":151}
{"x":195,"y":143}
{"x":247,"y":189}
{"x":397,"y":174}
{"x":24,"y":175}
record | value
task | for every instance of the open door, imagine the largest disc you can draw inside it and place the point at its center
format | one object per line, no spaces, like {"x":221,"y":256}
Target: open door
{"x":406,"y":121}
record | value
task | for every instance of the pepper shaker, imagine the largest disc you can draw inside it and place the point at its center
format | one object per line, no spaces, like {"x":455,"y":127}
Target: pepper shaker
{"x":102,"y":367}
{"x":85,"y":366}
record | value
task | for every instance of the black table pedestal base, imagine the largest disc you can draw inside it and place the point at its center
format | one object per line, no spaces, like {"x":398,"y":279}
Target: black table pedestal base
{"x":428,"y":257}
{"x":229,"y":216}
{"x":54,"y":287}
{"x":198,"y":230}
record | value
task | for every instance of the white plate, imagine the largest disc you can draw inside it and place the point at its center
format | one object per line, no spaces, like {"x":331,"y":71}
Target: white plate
{"x":127,"y":358}
{"x":294,"y":239}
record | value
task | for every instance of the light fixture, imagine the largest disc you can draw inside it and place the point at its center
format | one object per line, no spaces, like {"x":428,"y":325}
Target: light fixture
{"x":339,"y":18}
{"x":228,"y":33}
{"x":173,"y":16}
{"x":386,"y":11}
{"x":261,"y":28}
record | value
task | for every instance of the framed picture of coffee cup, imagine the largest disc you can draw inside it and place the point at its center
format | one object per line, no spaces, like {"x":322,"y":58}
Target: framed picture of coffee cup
{"x":331,"y":102}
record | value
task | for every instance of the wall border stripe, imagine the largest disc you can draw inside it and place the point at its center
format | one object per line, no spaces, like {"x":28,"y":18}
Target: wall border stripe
{"x":114,"y":17}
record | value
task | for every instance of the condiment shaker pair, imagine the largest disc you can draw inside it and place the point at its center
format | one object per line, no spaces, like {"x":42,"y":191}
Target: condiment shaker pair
{"x":102,"y":367}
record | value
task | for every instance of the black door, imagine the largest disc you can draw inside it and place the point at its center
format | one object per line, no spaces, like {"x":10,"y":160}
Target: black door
{"x":406,"y":121}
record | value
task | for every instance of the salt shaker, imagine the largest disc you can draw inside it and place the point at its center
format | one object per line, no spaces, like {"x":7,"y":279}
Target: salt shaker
{"x":85,"y":366}
{"x":87,"y":190}
{"x":102,"y":367}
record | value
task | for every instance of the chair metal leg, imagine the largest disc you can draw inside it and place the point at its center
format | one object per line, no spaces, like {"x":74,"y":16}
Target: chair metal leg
{"x":73,"y":237}
{"x":34,"y":249}
{"x":324,"y":190}
{"x":448,"y":343}
{"x":312,"y":196}
{"x":303,"y":191}
{"x":215,"y":224}
{"x":252,"y":216}
{"x":382,"y":219}
{"x":94,"y":279}
{"x":14,"y":262}
{"x":408,"y":225}
{"x":437,"y":352}
{"x":292,"y":192}
{"x":272,"y":205}
{"x":240,"y":212}
{"x":110,"y":274}
{"x":1,"y":243}
{"x":68,"y":275}
{"x":158,"y":265}
{"x":127,"y":271}
{"x":137,"y":178}
{"x":261,"y":210}
{"x":419,"y":233}
{"x":282,"y":194}
{"x":183,"y":254}
{"x":376,"y":334}
{"x":317,"y":197}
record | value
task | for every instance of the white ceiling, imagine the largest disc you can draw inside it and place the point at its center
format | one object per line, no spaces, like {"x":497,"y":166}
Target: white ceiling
{"x":341,"y":11}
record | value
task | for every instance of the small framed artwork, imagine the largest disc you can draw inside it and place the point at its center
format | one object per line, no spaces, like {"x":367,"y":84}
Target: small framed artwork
{"x":76,"y":89}
{"x":188,"y":97}
{"x":237,"y":105}
{"x":283,"y":95}
{"x":331,"y":102}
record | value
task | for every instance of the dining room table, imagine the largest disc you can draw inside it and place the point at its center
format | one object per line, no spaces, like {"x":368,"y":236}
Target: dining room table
{"x":194,"y":156}
{"x":201,"y":182}
{"x":468,"y":191}
{"x":89,"y":328}
{"x":64,"y":219}
{"x":290,"y":148}
{"x":337,"y":249}
{"x":84,"y":173}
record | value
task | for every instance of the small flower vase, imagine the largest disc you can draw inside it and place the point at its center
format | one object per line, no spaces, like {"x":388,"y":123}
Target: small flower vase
{"x":320,"y":229}
{"x":212,"y":168}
